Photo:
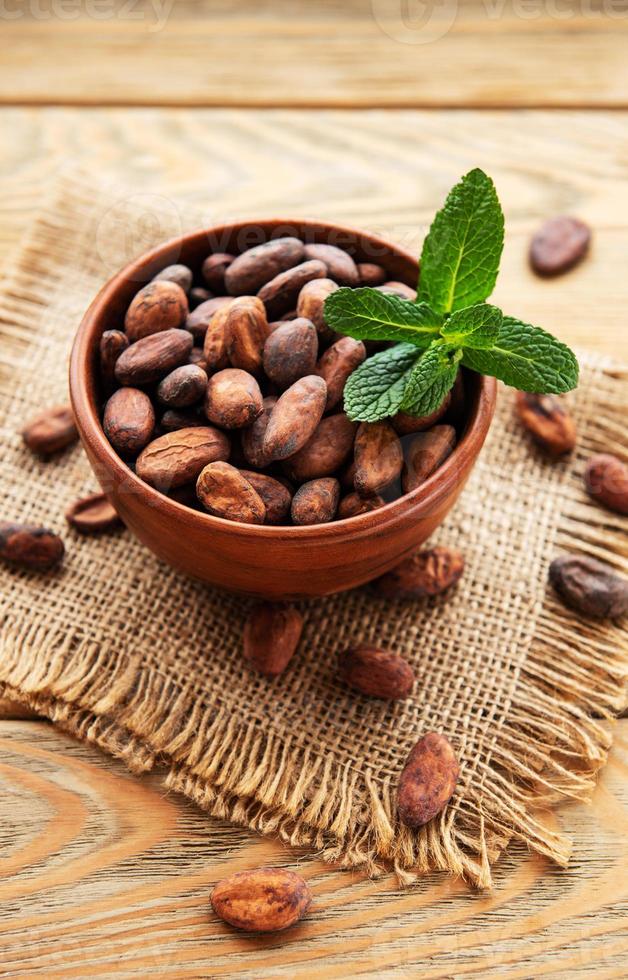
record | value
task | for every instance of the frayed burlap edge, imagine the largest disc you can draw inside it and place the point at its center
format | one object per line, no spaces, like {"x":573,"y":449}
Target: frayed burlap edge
{"x":556,"y":736}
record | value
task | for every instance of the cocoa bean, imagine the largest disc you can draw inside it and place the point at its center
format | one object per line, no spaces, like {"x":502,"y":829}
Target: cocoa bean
{"x":183,"y":387}
{"x":428,"y":780}
{"x":265,"y":900}
{"x":178,"y":457}
{"x":377,"y":673}
{"x":559,"y":245}
{"x":152,"y":357}
{"x":158,"y":306}
{"x":215,"y":342}
{"x":277,"y":498}
{"x":198,"y":357}
{"x":378,"y":457}
{"x":179,"y":274}
{"x":233,"y":399}
{"x":606,"y":480}
{"x":50,"y":430}
{"x":290,"y":352}
{"x":353,"y":505}
{"x":425,"y":453}
{"x":198,"y":295}
{"x":548,"y":422}
{"x":405,"y":424}
{"x":316,"y":502}
{"x":112,"y":343}
{"x":425,"y":573}
{"x":337,"y":363}
{"x":173,"y":420}
{"x":30,"y":546}
{"x":246,"y":330}
{"x":271,"y":635}
{"x":93,"y":514}
{"x":214,"y":268}
{"x":338,"y":263}
{"x":371,"y":274}
{"x":250,"y":270}
{"x":281,"y":293}
{"x":295,"y":417}
{"x":252,"y":439}
{"x":224,"y":492}
{"x":398,"y":289}
{"x":311,"y":304}
{"x":589,"y":586}
{"x":199,"y":319}
{"x":325,"y":451}
{"x":129,"y":420}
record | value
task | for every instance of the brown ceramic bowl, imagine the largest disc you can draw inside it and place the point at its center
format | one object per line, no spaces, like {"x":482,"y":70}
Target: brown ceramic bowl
{"x":273,"y":562}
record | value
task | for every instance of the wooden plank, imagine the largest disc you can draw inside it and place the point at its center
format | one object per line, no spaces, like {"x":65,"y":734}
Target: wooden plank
{"x":384,"y":170}
{"x":103,"y":875}
{"x":475,"y":53}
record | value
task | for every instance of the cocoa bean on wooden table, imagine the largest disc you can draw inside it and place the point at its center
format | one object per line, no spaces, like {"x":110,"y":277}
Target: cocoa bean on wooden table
{"x":51,"y":430}
{"x":589,"y":586}
{"x":129,"y":420}
{"x":178,"y":457}
{"x":30,"y":546}
{"x":606,"y":480}
{"x":548,"y":421}
{"x":559,"y":245}
{"x":161,"y":305}
{"x":428,"y":780}
{"x":425,"y":573}
{"x":224,"y":492}
{"x":271,"y":636}
{"x":264,"y":900}
{"x":377,"y":673}
{"x":92,"y":514}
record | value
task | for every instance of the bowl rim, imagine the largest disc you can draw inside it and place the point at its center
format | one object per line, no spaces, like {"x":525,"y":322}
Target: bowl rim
{"x":83,"y":385}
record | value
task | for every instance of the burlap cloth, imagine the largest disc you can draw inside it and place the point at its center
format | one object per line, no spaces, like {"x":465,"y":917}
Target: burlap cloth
{"x":121,"y":651}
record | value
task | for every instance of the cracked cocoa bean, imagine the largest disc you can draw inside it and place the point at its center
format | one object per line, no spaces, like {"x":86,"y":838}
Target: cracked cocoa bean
{"x":425,"y":573}
{"x":316,"y":502}
{"x":224,"y":492}
{"x":246,"y":330}
{"x":276,"y":496}
{"x":264,"y":900}
{"x":178,"y":457}
{"x":547,"y":420}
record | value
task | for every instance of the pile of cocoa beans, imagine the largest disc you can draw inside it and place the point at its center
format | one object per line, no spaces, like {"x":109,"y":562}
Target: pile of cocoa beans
{"x":227,"y":395}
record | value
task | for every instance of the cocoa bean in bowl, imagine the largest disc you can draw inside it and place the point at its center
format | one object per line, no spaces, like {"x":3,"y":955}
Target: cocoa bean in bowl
{"x":220,"y":436}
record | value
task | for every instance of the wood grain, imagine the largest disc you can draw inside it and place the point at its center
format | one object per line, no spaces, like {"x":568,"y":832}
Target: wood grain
{"x":102,"y":874}
{"x":334,"y":53}
{"x":386,"y":171}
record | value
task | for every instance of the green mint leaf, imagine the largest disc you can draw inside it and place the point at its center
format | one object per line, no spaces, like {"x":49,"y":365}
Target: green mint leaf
{"x":460,"y":257}
{"x":430,"y":379}
{"x":527,"y":358}
{"x":367,"y":314}
{"x":476,"y":327}
{"x":375,"y":390}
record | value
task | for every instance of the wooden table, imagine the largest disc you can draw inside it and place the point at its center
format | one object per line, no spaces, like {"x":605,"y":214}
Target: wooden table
{"x":104,"y":874}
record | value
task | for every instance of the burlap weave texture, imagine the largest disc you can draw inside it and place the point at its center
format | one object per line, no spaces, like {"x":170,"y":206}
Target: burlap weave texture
{"x":120,"y":650}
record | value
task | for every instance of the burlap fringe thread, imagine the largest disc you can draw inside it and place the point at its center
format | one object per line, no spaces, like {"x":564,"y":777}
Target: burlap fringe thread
{"x":556,"y":737}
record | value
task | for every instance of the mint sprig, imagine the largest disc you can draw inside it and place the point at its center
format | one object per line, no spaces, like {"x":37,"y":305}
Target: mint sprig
{"x":450,"y":323}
